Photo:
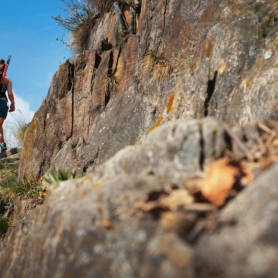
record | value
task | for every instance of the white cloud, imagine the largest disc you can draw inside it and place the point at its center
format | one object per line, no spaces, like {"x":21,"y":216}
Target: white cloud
{"x":22,"y":115}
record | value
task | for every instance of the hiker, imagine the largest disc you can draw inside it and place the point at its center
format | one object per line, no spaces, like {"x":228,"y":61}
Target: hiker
{"x":5,"y":86}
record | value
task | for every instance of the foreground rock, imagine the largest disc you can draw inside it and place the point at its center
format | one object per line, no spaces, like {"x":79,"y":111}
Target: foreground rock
{"x":246,"y":245}
{"x":97,"y":226}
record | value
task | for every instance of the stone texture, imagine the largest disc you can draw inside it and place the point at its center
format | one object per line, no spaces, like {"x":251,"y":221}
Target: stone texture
{"x":91,"y":227}
{"x":86,"y":227}
{"x":246,"y":243}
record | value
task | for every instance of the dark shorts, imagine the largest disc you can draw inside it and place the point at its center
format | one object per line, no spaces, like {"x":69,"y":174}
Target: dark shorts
{"x":3,"y":109}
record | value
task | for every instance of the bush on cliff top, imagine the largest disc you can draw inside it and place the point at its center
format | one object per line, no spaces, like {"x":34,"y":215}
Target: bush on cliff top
{"x":80,"y":17}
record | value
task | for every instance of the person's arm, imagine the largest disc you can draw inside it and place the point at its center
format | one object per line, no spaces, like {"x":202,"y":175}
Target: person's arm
{"x":8,"y":82}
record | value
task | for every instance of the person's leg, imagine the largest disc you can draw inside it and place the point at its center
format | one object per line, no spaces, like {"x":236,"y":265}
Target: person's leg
{"x":1,"y":130}
{"x":3,"y":146}
{"x":3,"y":115}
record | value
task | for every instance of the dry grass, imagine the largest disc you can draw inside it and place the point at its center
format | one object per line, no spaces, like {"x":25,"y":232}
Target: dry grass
{"x":79,"y":20}
{"x":15,"y":129}
{"x":11,"y":191}
{"x":155,"y":66}
{"x":80,"y":34}
{"x":183,"y":59}
{"x":111,"y":82}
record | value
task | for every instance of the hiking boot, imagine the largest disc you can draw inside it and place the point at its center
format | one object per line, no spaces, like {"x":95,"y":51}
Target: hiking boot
{"x":3,"y":147}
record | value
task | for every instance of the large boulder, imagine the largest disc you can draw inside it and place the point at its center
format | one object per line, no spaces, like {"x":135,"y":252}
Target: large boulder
{"x":90,"y":227}
{"x":113,"y":223}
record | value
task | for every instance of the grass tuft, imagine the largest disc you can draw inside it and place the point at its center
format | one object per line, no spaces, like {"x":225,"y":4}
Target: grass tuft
{"x":58,"y":174}
{"x":155,"y":66}
{"x":15,"y":129}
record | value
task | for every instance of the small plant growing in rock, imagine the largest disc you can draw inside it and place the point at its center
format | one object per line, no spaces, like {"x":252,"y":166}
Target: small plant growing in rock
{"x":80,"y":17}
{"x":155,"y":65}
{"x":111,"y":82}
{"x":11,"y":187}
{"x":183,"y":58}
{"x":79,"y":20}
{"x":58,"y":174}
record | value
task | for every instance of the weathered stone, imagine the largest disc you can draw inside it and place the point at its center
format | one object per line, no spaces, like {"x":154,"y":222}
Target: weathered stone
{"x":91,"y":219}
{"x":246,"y":243}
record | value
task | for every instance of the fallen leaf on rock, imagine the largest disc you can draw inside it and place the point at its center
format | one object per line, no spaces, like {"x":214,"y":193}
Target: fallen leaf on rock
{"x":106,"y":224}
{"x":159,"y":201}
{"x":177,"y":198}
{"x":221,"y":176}
{"x":178,"y":222}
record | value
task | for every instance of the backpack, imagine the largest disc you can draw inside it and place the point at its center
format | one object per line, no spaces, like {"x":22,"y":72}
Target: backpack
{"x":3,"y":86}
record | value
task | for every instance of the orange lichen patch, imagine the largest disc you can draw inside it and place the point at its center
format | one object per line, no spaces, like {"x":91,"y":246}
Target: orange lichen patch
{"x":96,"y":186}
{"x":106,"y":224}
{"x":170,"y":103}
{"x":221,"y":176}
{"x":84,"y":194}
{"x":209,"y":50}
{"x":248,"y":81}
{"x":270,"y":83}
{"x":156,"y":124}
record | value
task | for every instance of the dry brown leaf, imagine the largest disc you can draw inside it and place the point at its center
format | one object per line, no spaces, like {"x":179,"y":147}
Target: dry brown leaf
{"x":220,"y":180}
{"x":159,"y":201}
{"x":106,"y":224}
{"x":177,"y":221}
{"x":177,"y":198}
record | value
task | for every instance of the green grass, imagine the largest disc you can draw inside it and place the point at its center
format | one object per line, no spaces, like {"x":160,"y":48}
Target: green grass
{"x":11,"y":188}
{"x":57,"y":174}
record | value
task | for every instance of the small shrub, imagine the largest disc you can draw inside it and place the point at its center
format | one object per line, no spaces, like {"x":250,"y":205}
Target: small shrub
{"x":80,"y":34}
{"x":76,"y":13}
{"x":80,"y":18}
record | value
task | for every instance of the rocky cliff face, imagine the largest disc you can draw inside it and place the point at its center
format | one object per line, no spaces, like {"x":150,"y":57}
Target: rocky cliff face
{"x":144,"y":70}
{"x":172,"y":60}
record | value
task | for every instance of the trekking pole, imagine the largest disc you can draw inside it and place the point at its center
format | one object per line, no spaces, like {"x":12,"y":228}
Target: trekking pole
{"x":6,"y":68}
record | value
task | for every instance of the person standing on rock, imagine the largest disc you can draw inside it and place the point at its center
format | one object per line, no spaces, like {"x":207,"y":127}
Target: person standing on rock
{"x":5,"y":86}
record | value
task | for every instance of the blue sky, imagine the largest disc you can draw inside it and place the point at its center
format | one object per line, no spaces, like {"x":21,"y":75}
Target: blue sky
{"x":29,"y":35}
